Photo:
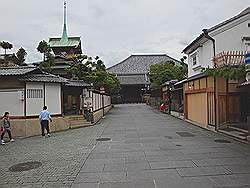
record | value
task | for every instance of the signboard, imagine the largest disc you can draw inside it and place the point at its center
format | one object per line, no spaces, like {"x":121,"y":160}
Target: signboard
{"x":247,"y":58}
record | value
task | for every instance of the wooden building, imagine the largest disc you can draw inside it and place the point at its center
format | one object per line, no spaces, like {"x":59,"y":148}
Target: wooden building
{"x":133,"y":74}
{"x":216,"y":101}
{"x":25,"y":90}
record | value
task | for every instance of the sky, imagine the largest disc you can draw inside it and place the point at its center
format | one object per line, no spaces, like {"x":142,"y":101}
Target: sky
{"x":113,"y":29}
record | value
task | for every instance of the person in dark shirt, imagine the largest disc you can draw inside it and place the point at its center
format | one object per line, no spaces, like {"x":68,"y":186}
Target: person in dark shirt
{"x":5,"y":127}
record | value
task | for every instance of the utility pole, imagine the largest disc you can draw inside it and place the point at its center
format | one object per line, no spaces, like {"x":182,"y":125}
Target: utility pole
{"x":102,"y":91}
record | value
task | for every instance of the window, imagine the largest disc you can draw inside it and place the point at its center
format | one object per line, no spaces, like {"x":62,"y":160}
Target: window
{"x":194,"y":58}
{"x":248,"y":24}
{"x":34,"y":93}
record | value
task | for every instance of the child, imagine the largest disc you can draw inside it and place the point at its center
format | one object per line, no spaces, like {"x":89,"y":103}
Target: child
{"x":6,"y":127}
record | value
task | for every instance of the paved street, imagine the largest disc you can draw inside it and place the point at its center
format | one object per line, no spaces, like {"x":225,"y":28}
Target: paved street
{"x":147,"y":150}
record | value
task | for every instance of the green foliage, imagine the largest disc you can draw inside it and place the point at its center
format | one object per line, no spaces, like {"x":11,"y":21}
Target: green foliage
{"x":43,"y":47}
{"x":6,"y":46}
{"x":160,"y":73}
{"x":101,"y":78}
{"x":227,"y":72}
{"x":48,"y":58}
{"x":20,"y":56}
{"x":48,"y":63}
{"x":93,"y":71}
{"x":3,"y":63}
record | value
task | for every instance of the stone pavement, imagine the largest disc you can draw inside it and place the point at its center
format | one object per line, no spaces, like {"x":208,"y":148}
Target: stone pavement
{"x":147,"y":150}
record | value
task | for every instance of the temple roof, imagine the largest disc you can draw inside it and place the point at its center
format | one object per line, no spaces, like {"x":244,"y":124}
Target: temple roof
{"x":70,"y":42}
{"x":64,"y":41}
{"x":140,"y":64}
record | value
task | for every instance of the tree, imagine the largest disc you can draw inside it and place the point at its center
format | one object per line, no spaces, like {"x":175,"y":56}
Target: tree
{"x":48,"y":58}
{"x":160,"y":73}
{"x":227,"y":72}
{"x":6,"y":46}
{"x":43,"y":48}
{"x":93,"y":70}
{"x":20,"y":56}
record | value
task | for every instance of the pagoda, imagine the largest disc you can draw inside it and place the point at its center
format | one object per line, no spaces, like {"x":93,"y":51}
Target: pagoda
{"x":65,"y":46}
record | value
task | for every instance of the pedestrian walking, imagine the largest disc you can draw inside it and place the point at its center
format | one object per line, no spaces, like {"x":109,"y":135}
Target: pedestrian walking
{"x":44,"y":118}
{"x":5,"y":127}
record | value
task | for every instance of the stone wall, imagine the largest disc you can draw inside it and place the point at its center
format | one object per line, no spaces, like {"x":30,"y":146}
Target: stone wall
{"x":99,"y":114}
{"x":31,"y":127}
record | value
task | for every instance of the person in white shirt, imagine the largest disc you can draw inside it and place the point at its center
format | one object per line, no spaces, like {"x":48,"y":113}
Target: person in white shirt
{"x":44,"y":118}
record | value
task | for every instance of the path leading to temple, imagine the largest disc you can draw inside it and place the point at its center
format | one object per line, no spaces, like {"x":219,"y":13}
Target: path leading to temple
{"x":147,"y":149}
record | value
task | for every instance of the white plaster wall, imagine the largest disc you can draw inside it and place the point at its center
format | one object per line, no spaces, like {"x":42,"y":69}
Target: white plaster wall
{"x":107,"y":100}
{"x":95,"y":102}
{"x":231,"y":39}
{"x":34,"y":106}
{"x":10,"y":101}
{"x":228,"y":38}
{"x":207,"y":55}
{"x":53,"y":97}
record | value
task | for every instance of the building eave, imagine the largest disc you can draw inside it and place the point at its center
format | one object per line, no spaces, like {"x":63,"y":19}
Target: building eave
{"x":201,"y":38}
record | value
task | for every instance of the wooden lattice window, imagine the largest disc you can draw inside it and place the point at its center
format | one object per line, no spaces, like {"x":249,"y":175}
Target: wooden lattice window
{"x":34,"y":93}
{"x":194,"y":59}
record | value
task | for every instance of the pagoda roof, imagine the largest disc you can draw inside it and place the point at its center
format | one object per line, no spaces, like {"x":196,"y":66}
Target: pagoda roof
{"x":70,"y":42}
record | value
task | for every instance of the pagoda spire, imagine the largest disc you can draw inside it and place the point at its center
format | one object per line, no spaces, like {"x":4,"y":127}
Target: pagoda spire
{"x":64,"y":35}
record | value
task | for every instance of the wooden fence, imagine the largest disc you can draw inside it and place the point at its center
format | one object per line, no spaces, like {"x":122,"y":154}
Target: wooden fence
{"x":229,"y":58}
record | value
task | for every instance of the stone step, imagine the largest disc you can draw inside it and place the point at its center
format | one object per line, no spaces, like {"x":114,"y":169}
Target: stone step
{"x":75,"y":126}
{"x":76,"y":118}
{"x":78,"y":122}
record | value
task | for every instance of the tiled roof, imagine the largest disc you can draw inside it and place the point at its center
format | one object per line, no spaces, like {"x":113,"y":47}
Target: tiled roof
{"x":243,"y":13}
{"x":201,"y":36}
{"x":139,"y":64}
{"x":43,"y":78}
{"x":139,"y":79}
{"x":197,"y":76}
{"x":76,"y":83}
{"x":57,"y":42}
{"x":15,"y":71}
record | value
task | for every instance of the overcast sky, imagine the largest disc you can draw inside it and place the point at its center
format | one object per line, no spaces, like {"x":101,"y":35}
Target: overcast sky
{"x":114,"y":29}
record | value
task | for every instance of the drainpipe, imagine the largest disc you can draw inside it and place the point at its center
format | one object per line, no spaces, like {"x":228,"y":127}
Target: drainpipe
{"x":205,"y":32}
{"x":206,"y":35}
